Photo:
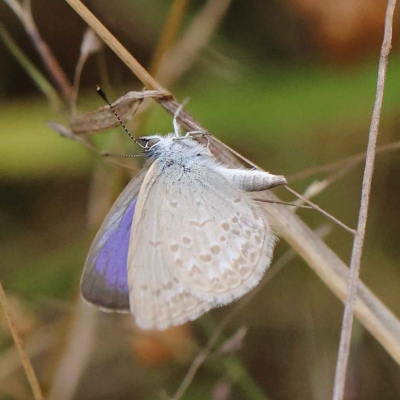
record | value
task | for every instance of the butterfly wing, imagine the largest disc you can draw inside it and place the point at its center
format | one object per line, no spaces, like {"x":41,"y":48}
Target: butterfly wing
{"x":222,"y":244}
{"x":158,"y":299}
{"x":104,"y":280}
{"x":199,"y":243}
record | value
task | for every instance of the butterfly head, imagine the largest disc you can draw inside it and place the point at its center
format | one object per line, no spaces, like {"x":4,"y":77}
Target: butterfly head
{"x":170,"y":146}
{"x":148,"y":142}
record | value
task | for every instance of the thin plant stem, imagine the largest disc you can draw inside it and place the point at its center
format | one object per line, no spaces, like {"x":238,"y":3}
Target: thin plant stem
{"x":283,"y":203}
{"x":35,"y":345}
{"x":351,"y":297}
{"x":91,"y":44}
{"x":315,"y":206}
{"x":77,"y":79}
{"x":169,"y":33}
{"x":352,"y":160}
{"x":322,"y":185}
{"x":343,"y":168}
{"x":38,"y":78}
{"x":76,"y":355}
{"x":50,"y":62}
{"x":180,"y":58}
{"x":30,"y":373}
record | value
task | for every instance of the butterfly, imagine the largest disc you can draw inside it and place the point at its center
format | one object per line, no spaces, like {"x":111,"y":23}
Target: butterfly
{"x":183,"y":237}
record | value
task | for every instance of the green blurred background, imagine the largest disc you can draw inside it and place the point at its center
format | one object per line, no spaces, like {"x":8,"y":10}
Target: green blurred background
{"x":290,"y":84}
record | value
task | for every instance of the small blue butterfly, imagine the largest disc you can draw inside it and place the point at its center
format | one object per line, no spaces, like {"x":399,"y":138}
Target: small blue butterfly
{"x":183,"y":237}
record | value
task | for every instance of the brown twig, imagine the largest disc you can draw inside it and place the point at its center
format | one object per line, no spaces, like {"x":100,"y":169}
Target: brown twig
{"x":30,"y":373}
{"x":345,"y":337}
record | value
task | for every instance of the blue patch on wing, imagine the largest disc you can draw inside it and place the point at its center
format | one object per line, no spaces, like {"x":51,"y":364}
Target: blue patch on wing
{"x":112,"y":258}
{"x":105,"y":277}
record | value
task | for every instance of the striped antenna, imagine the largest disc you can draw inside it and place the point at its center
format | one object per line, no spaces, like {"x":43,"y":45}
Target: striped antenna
{"x":104,"y":97}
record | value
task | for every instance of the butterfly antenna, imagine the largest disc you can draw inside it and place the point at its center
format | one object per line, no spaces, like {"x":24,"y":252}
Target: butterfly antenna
{"x":104,"y":97}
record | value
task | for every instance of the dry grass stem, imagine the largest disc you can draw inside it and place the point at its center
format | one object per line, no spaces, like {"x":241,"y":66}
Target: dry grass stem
{"x":76,"y":354}
{"x":50,"y":62}
{"x":234,"y":343}
{"x":91,"y":44}
{"x":318,"y":208}
{"x":120,"y":51}
{"x":345,"y":337}
{"x":318,"y":187}
{"x":222,"y":390}
{"x":35,"y":344}
{"x":38,"y":78}
{"x":284,"y":203}
{"x":342,"y":168}
{"x":169,"y":33}
{"x":351,"y":161}
{"x":30,"y":373}
{"x":177,"y":61}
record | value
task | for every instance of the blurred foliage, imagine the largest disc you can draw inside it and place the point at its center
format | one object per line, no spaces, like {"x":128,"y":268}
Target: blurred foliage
{"x":265,"y":87}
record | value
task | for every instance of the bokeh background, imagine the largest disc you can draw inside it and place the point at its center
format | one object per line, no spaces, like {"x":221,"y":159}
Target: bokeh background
{"x":288,"y":83}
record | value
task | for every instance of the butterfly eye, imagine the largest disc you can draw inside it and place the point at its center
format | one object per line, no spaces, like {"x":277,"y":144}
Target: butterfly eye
{"x":148,"y":143}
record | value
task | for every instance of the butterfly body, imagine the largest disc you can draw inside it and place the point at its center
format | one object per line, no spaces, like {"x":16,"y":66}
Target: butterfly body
{"x":197,"y":239}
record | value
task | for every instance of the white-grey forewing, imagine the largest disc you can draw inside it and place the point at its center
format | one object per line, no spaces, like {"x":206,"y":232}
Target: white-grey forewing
{"x":104,"y":272}
{"x":158,"y":300}
{"x":199,"y":243}
{"x":214,"y":236}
